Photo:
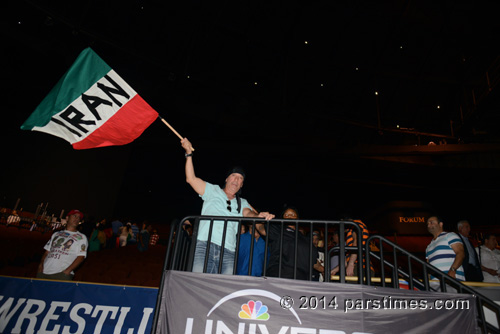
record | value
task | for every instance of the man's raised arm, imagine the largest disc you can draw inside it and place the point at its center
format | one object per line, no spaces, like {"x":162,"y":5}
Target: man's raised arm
{"x":195,"y":182}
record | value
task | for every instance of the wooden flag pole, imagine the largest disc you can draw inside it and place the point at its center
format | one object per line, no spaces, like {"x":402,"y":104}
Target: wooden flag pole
{"x":173,"y":130}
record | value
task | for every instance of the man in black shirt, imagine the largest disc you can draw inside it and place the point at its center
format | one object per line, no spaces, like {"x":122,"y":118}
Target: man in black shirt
{"x":291,"y":236}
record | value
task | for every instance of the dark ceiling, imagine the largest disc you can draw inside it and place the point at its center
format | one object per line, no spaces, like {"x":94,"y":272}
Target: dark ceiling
{"x":312,"y":67}
{"x":357,"y":83}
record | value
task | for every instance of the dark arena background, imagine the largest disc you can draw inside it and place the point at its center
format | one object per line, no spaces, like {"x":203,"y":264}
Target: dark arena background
{"x":381,"y":110}
{"x":384,"y":111}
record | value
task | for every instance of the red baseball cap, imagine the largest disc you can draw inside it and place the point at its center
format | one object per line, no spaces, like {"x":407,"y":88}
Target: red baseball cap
{"x":78,"y":212}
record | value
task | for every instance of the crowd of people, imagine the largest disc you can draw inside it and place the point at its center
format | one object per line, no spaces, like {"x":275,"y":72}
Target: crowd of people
{"x":71,"y":240}
{"x":452,"y":253}
{"x":461,"y":257}
{"x":307,"y":262}
{"x":284,"y":260}
{"x":121,"y":235}
{"x":291,"y":251}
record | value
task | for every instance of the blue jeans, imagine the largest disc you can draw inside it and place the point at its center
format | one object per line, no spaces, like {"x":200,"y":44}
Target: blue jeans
{"x":213,"y":259}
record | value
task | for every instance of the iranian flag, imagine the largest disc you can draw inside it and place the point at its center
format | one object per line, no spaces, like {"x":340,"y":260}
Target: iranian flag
{"x":92,"y":106}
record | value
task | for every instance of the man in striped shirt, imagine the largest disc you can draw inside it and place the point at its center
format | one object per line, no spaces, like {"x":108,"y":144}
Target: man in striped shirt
{"x":446,"y":250}
{"x":351,"y":240}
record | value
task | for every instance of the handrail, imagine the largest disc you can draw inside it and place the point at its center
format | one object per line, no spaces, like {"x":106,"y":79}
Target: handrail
{"x":195,"y":222}
{"x":181,"y":249}
{"x":444,"y":280}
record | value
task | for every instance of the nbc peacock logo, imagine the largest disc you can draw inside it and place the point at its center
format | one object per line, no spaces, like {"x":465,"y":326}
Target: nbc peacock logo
{"x":254,"y":310}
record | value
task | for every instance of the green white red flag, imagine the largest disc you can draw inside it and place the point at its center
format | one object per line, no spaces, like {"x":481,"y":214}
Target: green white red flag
{"x":92,"y":106}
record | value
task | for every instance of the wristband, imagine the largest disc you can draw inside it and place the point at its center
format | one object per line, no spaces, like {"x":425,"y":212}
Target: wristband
{"x":188,"y":155}
{"x":453,"y":269}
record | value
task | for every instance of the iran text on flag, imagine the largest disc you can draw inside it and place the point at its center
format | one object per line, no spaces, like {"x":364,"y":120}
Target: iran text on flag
{"x":91,"y":106}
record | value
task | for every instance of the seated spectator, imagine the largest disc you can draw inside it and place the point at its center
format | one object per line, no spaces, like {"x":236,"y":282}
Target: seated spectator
{"x":489,"y":257}
{"x":94,"y":244}
{"x":334,"y":242}
{"x":135,"y":232}
{"x":144,"y":237}
{"x":13,"y":219}
{"x":154,"y":238}
{"x":97,"y":238}
{"x":316,"y":237}
{"x":58,"y":224}
{"x":125,"y":234}
{"x":115,"y":226}
{"x":108,"y":232}
{"x":259,"y":248}
{"x":187,"y":227}
{"x":186,"y":234}
{"x":34,"y":226}
{"x":317,"y":241}
{"x":319,"y":267}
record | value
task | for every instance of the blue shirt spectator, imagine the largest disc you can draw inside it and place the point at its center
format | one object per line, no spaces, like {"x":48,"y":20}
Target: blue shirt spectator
{"x":143,"y":238}
{"x":259,"y":248}
{"x":115,"y":225}
{"x":135,"y":232}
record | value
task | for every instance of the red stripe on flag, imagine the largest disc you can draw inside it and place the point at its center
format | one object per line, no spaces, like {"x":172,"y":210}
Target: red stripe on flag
{"x":123,"y":127}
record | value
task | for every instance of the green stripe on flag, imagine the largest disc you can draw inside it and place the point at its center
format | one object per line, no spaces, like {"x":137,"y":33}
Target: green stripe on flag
{"x":87,"y":69}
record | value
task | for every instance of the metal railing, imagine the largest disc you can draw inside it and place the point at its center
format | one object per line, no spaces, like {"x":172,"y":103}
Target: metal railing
{"x":180,"y":253}
{"x":396,"y":263}
{"x":380,"y":262}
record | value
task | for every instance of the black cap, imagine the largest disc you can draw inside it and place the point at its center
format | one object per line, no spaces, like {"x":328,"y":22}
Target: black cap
{"x":238,"y":170}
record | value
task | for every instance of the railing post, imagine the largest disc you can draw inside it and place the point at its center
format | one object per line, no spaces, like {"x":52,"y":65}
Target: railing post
{"x":222,"y":247}
{"x":361,"y":262}
{"x":162,"y":281}
{"x":395,"y":273}
{"x":252,"y":241}
{"x":237,"y":249}
{"x":266,"y":249}
{"x":342,"y":252}
{"x":410,"y":272}
{"x":368,"y":263}
{"x":326,"y":257}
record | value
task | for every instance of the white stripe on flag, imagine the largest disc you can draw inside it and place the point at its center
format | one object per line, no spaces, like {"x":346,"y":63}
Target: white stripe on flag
{"x":77,"y":121}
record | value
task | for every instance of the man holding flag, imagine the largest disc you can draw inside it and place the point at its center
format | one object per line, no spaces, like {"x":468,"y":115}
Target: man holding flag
{"x":92,"y":106}
{"x":218,"y":202}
